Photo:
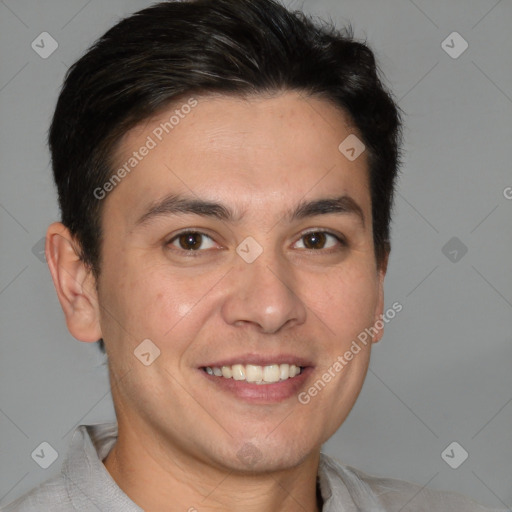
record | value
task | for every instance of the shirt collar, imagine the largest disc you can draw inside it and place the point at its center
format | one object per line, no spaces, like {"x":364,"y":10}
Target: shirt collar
{"x":87,"y":480}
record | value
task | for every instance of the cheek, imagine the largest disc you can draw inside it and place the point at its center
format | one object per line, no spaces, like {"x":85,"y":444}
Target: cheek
{"x":345,"y":301}
{"x":154,"y":301}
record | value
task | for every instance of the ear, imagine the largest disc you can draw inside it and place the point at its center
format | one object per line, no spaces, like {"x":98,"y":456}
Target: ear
{"x":74,"y":283}
{"x":379,"y":309}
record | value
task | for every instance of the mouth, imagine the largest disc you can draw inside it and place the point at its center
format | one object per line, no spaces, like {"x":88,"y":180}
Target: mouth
{"x":256,"y":374}
{"x":259,"y":380}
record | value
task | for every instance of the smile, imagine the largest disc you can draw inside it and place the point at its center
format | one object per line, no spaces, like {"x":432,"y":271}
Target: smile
{"x":267,"y":374}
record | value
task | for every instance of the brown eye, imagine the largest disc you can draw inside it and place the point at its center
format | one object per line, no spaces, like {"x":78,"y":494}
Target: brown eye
{"x":190,"y":241}
{"x":316,"y":240}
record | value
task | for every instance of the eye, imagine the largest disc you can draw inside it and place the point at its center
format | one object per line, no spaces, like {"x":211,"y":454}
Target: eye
{"x":315,"y":240}
{"x":195,"y":242}
{"x":191,"y":241}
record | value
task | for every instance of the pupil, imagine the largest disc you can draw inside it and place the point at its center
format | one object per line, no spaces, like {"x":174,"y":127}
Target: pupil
{"x":316,"y":239}
{"x":190,"y":241}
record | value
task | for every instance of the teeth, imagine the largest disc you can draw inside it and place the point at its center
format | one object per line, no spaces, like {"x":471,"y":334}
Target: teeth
{"x":253,"y":373}
{"x":271,"y":373}
{"x":256,"y":374}
{"x":238,"y":372}
{"x":227,"y":372}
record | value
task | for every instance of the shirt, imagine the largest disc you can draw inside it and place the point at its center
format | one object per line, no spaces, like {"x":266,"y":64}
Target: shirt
{"x":84,"y":484}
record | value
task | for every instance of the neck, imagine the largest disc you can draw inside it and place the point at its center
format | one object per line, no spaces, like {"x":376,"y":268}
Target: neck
{"x":158,"y":477}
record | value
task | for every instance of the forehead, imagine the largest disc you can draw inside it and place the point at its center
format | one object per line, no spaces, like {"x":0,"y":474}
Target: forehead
{"x":256,"y":151}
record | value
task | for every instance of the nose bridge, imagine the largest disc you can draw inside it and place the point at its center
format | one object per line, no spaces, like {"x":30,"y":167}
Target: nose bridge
{"x":264,"y":291}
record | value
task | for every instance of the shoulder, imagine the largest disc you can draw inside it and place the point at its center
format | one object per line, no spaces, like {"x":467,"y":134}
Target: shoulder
{"x":50,"y":495}
{"x":386,"y":494}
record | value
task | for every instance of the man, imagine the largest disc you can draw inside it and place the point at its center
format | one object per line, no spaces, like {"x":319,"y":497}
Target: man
{"x":225,"y":172}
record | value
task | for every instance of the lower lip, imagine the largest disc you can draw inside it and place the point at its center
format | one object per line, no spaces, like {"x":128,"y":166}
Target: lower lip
{"x":261,"y":393}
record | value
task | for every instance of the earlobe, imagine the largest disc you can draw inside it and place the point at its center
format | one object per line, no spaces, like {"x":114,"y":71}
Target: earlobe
{"x":74,"y":283}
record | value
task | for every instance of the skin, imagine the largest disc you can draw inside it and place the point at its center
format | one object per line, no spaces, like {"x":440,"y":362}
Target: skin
{"x":178,"y":434}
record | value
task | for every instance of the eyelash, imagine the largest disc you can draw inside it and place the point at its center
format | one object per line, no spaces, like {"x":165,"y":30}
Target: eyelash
{"x":197,"y":253}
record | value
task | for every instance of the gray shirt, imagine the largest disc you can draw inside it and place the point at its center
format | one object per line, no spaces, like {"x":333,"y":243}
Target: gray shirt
{"x":84,"y":484}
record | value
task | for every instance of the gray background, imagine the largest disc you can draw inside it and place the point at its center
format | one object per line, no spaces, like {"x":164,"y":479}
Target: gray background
{"x":442,"y":372}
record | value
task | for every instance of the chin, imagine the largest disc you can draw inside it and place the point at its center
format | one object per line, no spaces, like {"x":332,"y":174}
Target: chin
{"x":265,"y":456}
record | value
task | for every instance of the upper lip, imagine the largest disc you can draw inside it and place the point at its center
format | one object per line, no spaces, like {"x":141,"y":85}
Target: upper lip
{"x":260,"y":360}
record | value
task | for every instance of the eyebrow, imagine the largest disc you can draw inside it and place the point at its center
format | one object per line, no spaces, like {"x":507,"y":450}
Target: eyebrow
{"x":177,"y":204}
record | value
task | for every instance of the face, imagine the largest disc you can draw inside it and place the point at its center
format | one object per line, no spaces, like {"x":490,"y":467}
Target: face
{"x":242,"y":237}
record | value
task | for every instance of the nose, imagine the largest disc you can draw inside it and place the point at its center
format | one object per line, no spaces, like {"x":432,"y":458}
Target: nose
{"x":263,"y":294}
